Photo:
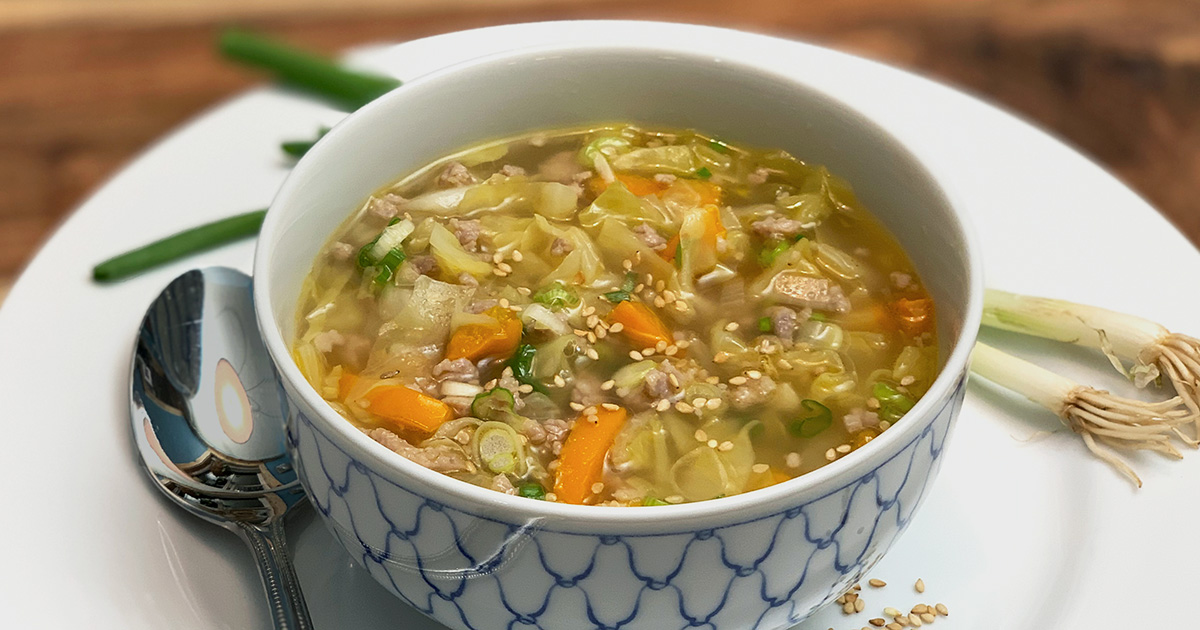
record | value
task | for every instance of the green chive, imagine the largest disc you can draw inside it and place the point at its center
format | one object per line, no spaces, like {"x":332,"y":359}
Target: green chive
{"x":297,"y":148}
{"x":816,"y":418}
{"x":179,"y":245}
{"x":532,"y":491}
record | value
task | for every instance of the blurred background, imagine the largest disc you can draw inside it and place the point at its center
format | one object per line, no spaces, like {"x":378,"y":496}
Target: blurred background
{"x":86,"y":84}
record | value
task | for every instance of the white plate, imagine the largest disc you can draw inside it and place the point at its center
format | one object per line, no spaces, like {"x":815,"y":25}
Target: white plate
{"x":1017,"y":533}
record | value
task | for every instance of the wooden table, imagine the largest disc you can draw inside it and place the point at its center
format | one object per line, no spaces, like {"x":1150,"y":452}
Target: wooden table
{"x":85,"y":85}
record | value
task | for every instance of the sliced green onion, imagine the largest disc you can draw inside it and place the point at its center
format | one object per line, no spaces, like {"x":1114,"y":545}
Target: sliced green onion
{"x":532,"y":491}
{"x":493,"y":404}
{"x":764,"y":324}
{"x":703,"y":172}
{"x":654,"y":501}
{"x":388,"y":264}
{"x":305,"y":71}
{"x":818,"y":317}
{"x":893,"y":403}
{"x":1097,"y":416}
{"x":522,"y":367}
{"x":718,"y":146}
{"x":625,"y":293}
{"x":179,"y":245}
{"x":770,"y":251}
{"x":815,"y":419}
{"x":556,"y":296}
{"x":499,"y":448}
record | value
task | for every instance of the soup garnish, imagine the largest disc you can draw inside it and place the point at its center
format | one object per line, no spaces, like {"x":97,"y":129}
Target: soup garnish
{"x":617,"y":316}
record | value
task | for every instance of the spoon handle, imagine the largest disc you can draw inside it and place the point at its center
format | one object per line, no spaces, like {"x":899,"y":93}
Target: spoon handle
{"x":288,"y":610}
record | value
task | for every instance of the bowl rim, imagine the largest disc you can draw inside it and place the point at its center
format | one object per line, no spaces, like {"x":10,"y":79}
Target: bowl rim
{"x":456,"y":492}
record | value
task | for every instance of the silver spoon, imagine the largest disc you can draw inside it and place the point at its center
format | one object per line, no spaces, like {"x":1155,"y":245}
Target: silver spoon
{"x":208,"y":419}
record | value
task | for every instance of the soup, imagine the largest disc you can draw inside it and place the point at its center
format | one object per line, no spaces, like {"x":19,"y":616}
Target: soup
{"x":617,"y":316}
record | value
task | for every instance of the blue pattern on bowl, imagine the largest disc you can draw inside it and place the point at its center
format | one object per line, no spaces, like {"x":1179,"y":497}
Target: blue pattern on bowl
{"x":470,"y":570}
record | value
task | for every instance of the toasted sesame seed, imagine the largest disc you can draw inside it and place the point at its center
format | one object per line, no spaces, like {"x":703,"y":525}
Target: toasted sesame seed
{"x":498,"y":272}
{"x":683,"y":407}
{"x":490,"y":384}
{"x":517,"y":255}
{"x":699,"y":401}
{"x":894,"y":626}
{"x":525,"y":388}
{"x":660,"y":346}
{"x":713,"y":403}
{"x":498,"y":257}
{"x":674,"y":380}
{"x":592,"y":354}
{"x":639,"y":288}
{"x":700,"y":435}
{"x":872,"y":403}
{"x":859,"y":605}
{"x":760,"y":468}
{"x":662,"y":405}
{"x":720,"y":357}
{"x":830,"y":455}
{"x":731,"y":326}
{"x":593,"y":419}
{"x":920,"y":608}
{"x":674,"y":498}
{"x":659,"y":302}
{"x":607,"y":385}
{"x":843,"y":449}
{"x":725,"y":446}
{"x":610,"y":406}
{"x":942,"y":610}
{"x":914,"y":620}
{"x":891,"y":612}
{"x":647,"y":352}
{"x":580,"y":333}
{"x":877,"y":583}
{"x":576,"y":406}
{"x":592,"y":320}
{"x":616,"y":328}
{"x":920,"y":585}
{"x":683,"y":343}
{"x":737,"y":380}
{"x":587,"y":310}
{"x":848,"y":608}
{"x":550,"y":496}
{"x":507,"y":372}
{"x":600,"y":332}
{"x":649,"y":278}
{"x":505,"y":267}
{"x":792,"y":460}
{"x":669,"y":295}
{"x":659,"y":286}
{"x":627,"y":264}
{"x":884,"y":424}
{"x":591,"y":337}
{"x":559,"y":381}
{"x":711,"y":443}
{"x":784,"y":364}
{"x":597,"y":487}
{"x":681,"y":306}
{"x":524,"y":290}
{"x":878,"y":622}
{"x":591,"y":411}
{"x":754,"y":374}
{"x":928,"y":618}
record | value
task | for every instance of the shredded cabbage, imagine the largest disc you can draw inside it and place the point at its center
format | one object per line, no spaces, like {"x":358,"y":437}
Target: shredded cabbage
{"x":616,"y":202}
{"x":451,"y":256}
{"x":675,"y":159}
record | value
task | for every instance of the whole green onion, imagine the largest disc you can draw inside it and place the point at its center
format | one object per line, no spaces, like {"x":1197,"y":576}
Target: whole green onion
{"x":179,"y":245}
{"x":305,"y":71}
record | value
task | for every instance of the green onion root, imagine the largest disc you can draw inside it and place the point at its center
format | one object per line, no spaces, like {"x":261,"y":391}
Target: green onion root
{"x":1100,"y":418}
{"x":1153,"y":350}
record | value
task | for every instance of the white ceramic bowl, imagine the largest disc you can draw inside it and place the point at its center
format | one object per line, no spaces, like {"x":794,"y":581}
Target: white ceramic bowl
{"x":475,"y":558}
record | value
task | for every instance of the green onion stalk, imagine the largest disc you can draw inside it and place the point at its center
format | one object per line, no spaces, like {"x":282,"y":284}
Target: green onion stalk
{"x":1098,"y":417}
{"x":1152,"y":350}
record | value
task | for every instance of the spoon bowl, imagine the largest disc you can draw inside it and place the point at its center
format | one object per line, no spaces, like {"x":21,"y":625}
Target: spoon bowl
{"x":208,"y":418}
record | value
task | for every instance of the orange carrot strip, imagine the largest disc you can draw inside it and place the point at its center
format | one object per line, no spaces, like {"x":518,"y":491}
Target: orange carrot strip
{"x":640,"y":325}
{"x":581,"y":462}
{"x":915,"y":315}
{"x":713,"y":228}
{"x":476,"y":341}
{"x":710,"y":193}
{"x":345,"y":384}
{"x":408,"y":409}
{"x":668,"y":253}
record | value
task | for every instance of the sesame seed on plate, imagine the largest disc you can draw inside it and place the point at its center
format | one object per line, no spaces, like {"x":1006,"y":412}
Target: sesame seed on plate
{"x":525,"y":388}
{"x":878,"y":622}
{"x":914,"y":620}
{"x":720,"y":357}
{"x":671,"y":350}
{"x":683,"y":343}
{"x":920,"y":585}
{"x":580,"y":333}
{"x":591,"y":337}
{"x":647,"y":351}
{"x":876,"y":582}
{"x":754,"y":374}
{"x":891,"y":612}
{"x":942,"y":610}
{"x":928,"y":618}
{"x":524,"y":290}
{"x":699,"y":401}
{"x":498,"y":272}
{"x":681,"y":306}
{"x":859,"y":605}
{"x":674,"y":380}
{"x":505,"y":267}
{"x":674,"y":498}
{"x":659,"y":302}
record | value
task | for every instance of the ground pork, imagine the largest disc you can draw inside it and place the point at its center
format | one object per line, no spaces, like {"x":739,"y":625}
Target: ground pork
{"x":349,"y":349}
{"x":650,"y":237}
{"x":859,"y":419}
{"x":441,"y":458}
{"x":341,"y":251}
{"x":777,"y":227}
{"x":561,"y":247}
{"x":666,"y":179}
{"x":754,"y":392}
{"x":510,"y":170}
{"x":587,"y":390}
{"x":455,"y":175}
{"x":783,"y":322}
{"x":480,"y":306}
{"x":561,"y":167}
{"x":901,"y":280}
{"x":759,"y":175}
{"x":423,"y":264}
{"x":500,"y":483}
{"x":387,"y":206}
{"x":461,"y":370}
{"x":467,"y":232}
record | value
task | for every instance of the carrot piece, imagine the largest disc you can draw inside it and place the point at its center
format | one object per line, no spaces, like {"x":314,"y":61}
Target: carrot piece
{"x":476,"y":341}
{"x":640,"y":325}
{"x":668,"y":253}
{"x":915,"y":315}
{"x":766,"y":479}
{"x":713,"y":228}
{"x":636,"y":184}
{"x":710,"y":193}
{"x":408,"y":409}
{"x":873,"y":317}
{"x":863,"y":436}
{"x":345,"y":384}
{"x":581,"y":462}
